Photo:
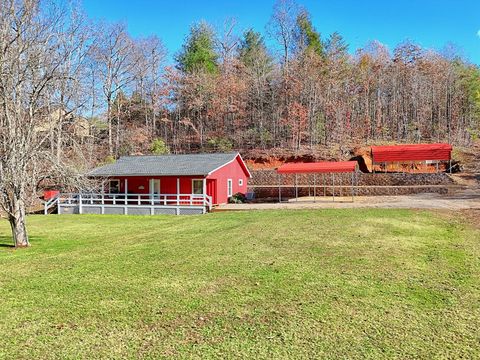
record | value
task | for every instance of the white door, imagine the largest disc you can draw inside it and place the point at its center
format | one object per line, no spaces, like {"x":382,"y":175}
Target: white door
{"x":155,"y":188}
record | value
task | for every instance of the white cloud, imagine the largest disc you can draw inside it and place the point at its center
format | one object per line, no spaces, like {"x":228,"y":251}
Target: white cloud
{"x":478,"y":33}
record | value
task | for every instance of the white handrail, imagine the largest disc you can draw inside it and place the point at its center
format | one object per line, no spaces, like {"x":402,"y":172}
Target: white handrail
{"x":136,"y":199}
{"x":49,"y":203}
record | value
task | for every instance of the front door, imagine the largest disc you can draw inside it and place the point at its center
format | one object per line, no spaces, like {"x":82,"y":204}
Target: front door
{"x":212,"y":189}
{"x":155,"y":188}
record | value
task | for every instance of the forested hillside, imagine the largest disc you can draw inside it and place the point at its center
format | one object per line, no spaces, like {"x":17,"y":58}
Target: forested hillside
{"x":228,"y":90}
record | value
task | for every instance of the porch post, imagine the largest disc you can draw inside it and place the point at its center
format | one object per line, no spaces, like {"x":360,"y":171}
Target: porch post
{"x":126,"y":191}
{"x":150,"y":190}
{"x":314,"y":186}
{"x":204,"y":187}
{"x":178,"y":191}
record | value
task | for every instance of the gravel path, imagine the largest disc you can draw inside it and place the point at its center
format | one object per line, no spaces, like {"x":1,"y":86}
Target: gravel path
{"x":468,"y":198}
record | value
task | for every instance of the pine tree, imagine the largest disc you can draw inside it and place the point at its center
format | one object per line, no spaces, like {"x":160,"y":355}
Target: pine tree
{"x":252,"y":50}
{"x":198,"y":53}
{"x":307,"y":38}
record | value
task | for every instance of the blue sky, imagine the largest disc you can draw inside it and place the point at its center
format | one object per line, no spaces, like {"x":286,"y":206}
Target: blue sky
{"x":431,"y":23}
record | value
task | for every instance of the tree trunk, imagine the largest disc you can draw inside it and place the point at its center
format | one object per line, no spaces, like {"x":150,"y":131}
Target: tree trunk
{"x":17,"y":223}
{"x":109,"y":122}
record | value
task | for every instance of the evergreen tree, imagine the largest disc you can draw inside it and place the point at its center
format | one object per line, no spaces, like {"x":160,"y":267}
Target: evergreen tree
{"x":307,"y":38}
{"x":198,"y":53}
{"x":252,"y":50}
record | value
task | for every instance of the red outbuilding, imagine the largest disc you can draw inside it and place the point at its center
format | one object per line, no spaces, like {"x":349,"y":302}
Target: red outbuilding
{"x":411,"y":153}
{"x":325,"y":167}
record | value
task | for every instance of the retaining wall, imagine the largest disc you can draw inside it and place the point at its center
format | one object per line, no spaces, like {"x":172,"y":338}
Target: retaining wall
{"x":264,"y":184}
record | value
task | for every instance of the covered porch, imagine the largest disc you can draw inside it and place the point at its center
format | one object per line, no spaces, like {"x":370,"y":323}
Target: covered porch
{"x":138,"y":196}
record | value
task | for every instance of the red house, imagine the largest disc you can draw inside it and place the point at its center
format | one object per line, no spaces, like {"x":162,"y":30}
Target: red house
{"x":166,"y":184}
{"x":217,"y":175}
{"x":162,"y":184}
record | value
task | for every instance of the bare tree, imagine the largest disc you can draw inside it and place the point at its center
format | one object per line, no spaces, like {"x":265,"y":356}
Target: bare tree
{"x":282,"y":27}
{"x":116,"y":59}
{"x":32,"y":65}
{"x":148,"y":76}
{"x":227,"y":43}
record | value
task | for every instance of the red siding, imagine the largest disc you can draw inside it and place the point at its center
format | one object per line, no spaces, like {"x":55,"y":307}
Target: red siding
{"x":216,"y":182}
{"x":235,"y":171}
{"x":168,"y":184}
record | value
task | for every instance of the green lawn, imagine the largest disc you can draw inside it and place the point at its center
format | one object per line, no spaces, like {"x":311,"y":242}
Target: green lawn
{"x":261,"y":285}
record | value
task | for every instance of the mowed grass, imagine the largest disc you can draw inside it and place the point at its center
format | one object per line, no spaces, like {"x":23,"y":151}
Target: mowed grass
{"x":260,"y":285}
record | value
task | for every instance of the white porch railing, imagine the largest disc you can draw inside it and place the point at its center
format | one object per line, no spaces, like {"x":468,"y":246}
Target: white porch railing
{"x":124,"y":200}
{"x":50,"y":203}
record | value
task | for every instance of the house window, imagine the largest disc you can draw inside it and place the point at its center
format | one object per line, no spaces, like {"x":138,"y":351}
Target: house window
{"x":114,"y":186}
{"x":240,"y":182}
{"x":229,"y":187}
{"x":197,"y":186}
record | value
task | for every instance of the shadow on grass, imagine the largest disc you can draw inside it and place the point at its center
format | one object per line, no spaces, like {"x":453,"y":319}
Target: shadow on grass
{"x":7,"y":241}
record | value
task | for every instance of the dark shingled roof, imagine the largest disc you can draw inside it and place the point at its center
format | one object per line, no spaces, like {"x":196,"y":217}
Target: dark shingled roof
{"x":165,"y":165}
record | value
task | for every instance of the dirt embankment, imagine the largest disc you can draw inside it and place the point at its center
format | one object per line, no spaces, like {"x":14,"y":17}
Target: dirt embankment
{"x":272,"y":158}
{"x":465,"y":158}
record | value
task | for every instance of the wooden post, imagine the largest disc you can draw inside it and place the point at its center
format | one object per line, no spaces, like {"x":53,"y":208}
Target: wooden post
{"x":79,"y":203}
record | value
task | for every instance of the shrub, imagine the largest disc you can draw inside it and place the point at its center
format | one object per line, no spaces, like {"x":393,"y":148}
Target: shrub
{"x":220,"y":144}
{"x":109,"y":160}
{"x":159,"y":147}
{"x":237,"y":198}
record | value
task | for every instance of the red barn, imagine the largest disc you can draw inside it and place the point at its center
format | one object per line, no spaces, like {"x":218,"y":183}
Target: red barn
{"x":217,"y":175}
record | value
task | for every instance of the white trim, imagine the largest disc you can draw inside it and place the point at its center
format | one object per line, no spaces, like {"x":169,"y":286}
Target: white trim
{"x":229,"y":162}
{"x":229,"y":187}
{"x":240,"y":182}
